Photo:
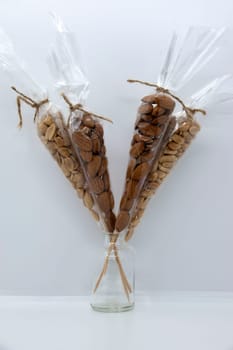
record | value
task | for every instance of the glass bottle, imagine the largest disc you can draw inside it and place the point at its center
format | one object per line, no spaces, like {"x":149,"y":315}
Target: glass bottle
{"x":114,"y":287}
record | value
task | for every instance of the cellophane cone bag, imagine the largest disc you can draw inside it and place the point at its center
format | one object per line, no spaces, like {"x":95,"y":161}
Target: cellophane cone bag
{"x":157,"y":121}
{"x":49,"y":121}
{"x":85,"y":128}
{"x":186,"y":130}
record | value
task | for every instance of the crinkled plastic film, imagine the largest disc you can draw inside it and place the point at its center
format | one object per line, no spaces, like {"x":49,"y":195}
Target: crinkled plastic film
{"x":50,"y":123}
{"x":85,"y":128}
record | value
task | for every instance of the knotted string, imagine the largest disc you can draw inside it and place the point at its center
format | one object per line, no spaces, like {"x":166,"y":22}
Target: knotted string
{"x":189,"y":111}
{"x":28,"y":100}
{"x":79,"y":107}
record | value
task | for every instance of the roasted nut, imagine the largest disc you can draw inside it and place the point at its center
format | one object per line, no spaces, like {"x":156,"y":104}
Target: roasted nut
{"x":96,"y":185}
{"x":88,"y":121}
{"x":149,"y":129}
{"x":166,"y":102}
{"x":131,"y":166}
{"x":103,"y":166}
{"x":86,"y":156}
{"x":145,"y":108}
{"x":122,"y":220}
{"x":126,"y":203}
{"x":152,"y":99}
{"x":93,"y":166}
{"x":95,"y":215}
{"x":158,"y":111}
{"x":96,"y":145}
{"x":50,"y":132}
{"x":103,"y":201}
{"x":87,"y":200}
{"x":132,"y":189}
{"x":137,"y":149}
{"x":140,"y":171}
{"x":82,"y":141}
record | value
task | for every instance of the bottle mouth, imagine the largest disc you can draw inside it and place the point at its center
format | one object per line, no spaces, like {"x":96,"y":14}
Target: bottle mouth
{"x":114,"y":239}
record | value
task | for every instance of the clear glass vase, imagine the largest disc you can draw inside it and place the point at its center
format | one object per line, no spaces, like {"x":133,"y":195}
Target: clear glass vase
{"x":114,"y":287}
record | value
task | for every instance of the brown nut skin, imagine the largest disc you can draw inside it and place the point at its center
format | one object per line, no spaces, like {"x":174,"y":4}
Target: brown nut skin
{"x":97,"y":185}
{"x":103,"y":200}
{"x":110,"y":220}
{"x":82,"y":141}
{"x":88,"y":121}
{"x":140,"y":171}
{"x":150,"y":99}
{"x":166,"y":102}
{"x":122,"y":221}
{"x":126,"y":203}
{"x":145,"y":108}
{"x":132,"y":189}
{"x":149,"y":129}
{"x":93,"y":166}
{"x":137,"y":149}
{"x":103,"y":166}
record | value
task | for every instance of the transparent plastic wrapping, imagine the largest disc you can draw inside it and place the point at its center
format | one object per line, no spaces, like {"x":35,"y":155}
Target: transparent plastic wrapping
{"x":85,"y":128}
{"x":180,"y":66}
{"x":50,"y":124}
{"x":154,"y":121}
{"x":176,"y":145}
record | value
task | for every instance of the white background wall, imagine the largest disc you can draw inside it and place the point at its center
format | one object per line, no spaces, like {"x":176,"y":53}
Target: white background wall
{"x":48,"y":243}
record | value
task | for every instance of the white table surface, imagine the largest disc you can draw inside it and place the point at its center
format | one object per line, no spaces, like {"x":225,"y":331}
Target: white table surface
{"x":162,"y":322}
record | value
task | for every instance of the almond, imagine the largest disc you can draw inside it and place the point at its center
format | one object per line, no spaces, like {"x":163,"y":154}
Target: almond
{"x":150,"y":99}
{"x":106,"y":181}
{"x":137,"y":149}
{"x":158,"y":111}
{"x":95,"y":215}
{"x":88,"y":121}
{"x":99,"y":129}
{"x":131,"y":166}
{"x":50,"y":132}
{"x":87,"y":200}
{"x":97,"y":185}
{"x":93,"y":166}
{"x":103,"y":166}
{"x":126,"y":203}
{"x":132,"y":188}
{"x":166,"y":102}
{"x":122,"y":220}
{"x":140,"y":171}
{"x":82,"y":141}
{"x":96,"y":144}
{"x":103,"y":201}
{"x":110,"y":220}
{"x":86,"y":156}
{"x":145,"y":108}
{"x":160,"y":120}
{"x":149,"y":129}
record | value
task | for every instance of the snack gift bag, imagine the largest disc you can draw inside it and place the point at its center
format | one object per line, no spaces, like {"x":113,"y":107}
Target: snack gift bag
{"x":113,"y":289}
{"x":50,"y":124}
{"x":156,"y":124}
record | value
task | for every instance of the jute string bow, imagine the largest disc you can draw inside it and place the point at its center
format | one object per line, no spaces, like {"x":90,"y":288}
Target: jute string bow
{"x":189,"y":111}
{"x":28,"y":100}
{"x":79,"y":107}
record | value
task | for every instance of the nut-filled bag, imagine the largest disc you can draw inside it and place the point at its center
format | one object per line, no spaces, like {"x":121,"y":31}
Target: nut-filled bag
{"x":157,"y":121}
{"x":85,"y":127}
{"x":49,"y":121}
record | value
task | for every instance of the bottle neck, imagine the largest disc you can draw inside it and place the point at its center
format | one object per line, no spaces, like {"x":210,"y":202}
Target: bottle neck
{"x":118,"y":239}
